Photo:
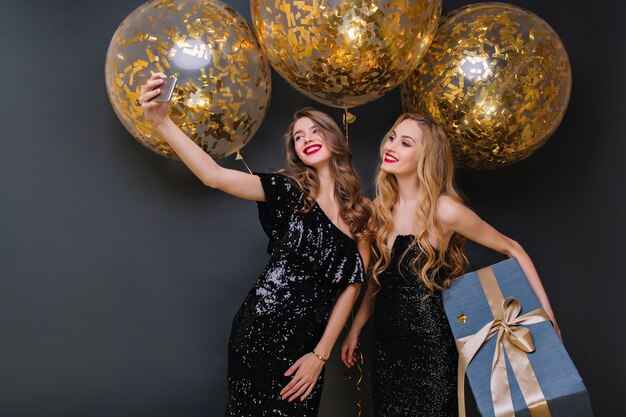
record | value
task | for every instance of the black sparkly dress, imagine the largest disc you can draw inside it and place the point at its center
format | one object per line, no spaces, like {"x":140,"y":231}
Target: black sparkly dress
{"x":414,"y":369}
{"x":285,"y":314}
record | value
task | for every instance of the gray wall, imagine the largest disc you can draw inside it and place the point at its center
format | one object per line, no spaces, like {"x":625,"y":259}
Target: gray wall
{"x":120,"y":273}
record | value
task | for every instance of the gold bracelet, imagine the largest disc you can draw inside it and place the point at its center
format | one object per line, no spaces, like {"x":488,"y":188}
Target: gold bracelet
{"x":320,"y":357}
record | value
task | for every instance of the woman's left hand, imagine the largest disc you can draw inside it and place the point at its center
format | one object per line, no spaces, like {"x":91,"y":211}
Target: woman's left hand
{"x":307,"y":370}
{"x":557,"y":329}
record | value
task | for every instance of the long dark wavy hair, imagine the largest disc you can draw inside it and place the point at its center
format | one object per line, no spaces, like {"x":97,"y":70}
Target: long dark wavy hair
{"x":355,"y":209}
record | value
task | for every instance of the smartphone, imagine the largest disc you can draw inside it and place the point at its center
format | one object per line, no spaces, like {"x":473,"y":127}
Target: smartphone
{"x":167,"y":88}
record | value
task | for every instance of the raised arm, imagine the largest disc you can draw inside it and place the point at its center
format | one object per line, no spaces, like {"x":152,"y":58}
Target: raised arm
{"x":458,"y":218}
{"x":308,"y":368}
{"x":237,"y":183}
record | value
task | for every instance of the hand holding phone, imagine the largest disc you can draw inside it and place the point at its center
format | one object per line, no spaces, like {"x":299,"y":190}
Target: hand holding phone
{"x":167,"y":88}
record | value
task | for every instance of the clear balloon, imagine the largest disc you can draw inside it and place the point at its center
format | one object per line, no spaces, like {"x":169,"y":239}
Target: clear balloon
{"x":224,"y":82}
{"x":497,"y":78}
{"x":345,"y":53}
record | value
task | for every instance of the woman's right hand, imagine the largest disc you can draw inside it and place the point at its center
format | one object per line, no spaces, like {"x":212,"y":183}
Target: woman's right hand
{"x":348,"y":349}
{"x":155,"y":112}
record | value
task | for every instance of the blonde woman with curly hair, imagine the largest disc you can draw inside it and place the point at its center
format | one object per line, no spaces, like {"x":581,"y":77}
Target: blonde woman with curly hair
{"x":421,"y":224}
{"x":316,"y":219}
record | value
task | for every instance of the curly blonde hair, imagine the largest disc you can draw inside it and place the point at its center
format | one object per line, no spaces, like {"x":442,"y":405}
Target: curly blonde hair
{"x":435,"y":172}
{"x":355,"y":209}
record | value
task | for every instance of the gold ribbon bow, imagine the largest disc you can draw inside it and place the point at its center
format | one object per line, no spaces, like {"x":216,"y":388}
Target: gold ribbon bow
{"x":512,"y":339}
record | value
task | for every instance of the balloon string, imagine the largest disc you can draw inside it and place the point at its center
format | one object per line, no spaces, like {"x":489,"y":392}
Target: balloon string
{"x":359,"y":365}
{"x":347,"y":119}
{"x":345,"y":122}
{"x":240,"y":158}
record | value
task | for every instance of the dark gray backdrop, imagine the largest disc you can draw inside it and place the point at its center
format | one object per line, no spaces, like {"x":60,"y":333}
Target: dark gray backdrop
{"x":120,"y":272}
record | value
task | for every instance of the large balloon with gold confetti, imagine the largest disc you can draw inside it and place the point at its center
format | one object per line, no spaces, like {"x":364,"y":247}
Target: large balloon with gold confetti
{"x":224,"y":82}
{"x":345,"y":53}
{"x":497,"y":78}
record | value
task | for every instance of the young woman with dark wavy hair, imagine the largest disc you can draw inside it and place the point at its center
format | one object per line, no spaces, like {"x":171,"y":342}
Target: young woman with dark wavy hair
{"x":421,"y":224}
{"x":316,"y":219}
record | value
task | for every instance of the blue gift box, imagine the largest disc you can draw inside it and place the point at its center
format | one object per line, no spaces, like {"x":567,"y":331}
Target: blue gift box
{"x":469,"y":310}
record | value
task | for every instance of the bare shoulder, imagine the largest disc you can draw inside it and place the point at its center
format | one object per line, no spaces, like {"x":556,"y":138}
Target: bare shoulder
{"x":450,"y":211}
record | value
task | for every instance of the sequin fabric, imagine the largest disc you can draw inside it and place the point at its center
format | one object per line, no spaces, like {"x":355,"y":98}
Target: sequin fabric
{"x":415,"y":359}
{"x":285,"y":314}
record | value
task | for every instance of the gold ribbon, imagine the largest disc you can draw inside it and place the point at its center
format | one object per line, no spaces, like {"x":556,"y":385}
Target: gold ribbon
{"x":511,"y":339}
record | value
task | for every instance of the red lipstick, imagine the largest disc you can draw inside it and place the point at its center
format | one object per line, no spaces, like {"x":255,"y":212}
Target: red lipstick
{"x":311,"y":149}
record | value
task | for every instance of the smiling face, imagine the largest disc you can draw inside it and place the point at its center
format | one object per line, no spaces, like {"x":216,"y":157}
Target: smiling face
{"x":401,"y":149}
{"x":309,"y":143}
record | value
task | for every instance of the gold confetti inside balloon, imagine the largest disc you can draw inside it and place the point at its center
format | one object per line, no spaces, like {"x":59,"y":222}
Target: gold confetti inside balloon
{"x":345,"y":53}
{"x":224,"y":82}
{"x":497,"y":78}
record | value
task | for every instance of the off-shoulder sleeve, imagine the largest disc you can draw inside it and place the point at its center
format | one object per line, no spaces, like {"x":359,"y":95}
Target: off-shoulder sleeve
{"x":281,"y":199}
{"x":356,"y":274}
{"x":349,"y":270}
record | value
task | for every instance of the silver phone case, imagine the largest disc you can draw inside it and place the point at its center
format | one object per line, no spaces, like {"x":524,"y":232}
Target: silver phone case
{"x":167,"y":88}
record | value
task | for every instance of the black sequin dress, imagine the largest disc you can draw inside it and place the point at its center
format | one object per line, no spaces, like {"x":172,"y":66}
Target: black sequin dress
{"x":285,"y":314}
{"x":414,"y":369}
